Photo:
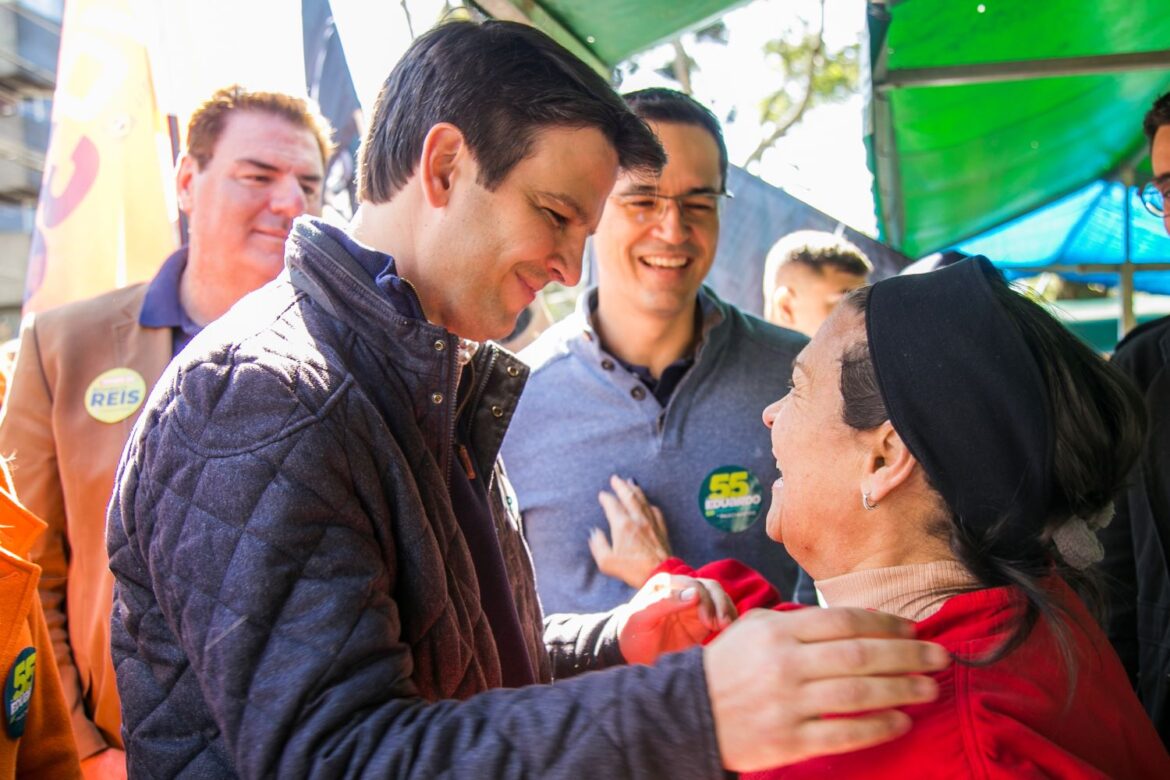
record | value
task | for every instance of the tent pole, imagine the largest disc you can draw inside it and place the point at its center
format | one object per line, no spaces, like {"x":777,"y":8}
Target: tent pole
{"x":1127,"y":321}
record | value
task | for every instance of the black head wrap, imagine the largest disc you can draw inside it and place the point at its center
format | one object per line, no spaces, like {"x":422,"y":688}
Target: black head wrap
{"x":964,"y":391}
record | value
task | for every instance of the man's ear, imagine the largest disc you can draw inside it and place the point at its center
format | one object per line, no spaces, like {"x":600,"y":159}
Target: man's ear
{"x":444,"y":156}
{"x":782,"y":305}
{"x":184,"y":182}
{"x":889,"y":463}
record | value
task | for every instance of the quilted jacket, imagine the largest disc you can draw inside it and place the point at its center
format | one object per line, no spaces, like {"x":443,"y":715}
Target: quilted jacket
{"x":295,"y":597}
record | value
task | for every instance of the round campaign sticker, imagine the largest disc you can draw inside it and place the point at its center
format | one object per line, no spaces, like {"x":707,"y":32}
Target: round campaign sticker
{"x":115,"y":395}
{"x":730,"y":498}
{"x":18,"y":688}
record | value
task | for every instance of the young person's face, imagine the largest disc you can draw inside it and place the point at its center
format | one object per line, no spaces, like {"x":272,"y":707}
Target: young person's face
{"x":811,"y":297}
{"x":654,"y":259}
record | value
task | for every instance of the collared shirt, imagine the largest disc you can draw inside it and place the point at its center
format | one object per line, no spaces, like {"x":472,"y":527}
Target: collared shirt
{"x":162,"y":308}
{"x":663,"y":387}
{"x":382,"y":269}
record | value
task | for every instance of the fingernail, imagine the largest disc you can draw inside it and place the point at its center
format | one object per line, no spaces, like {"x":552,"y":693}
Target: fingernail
{"x":926,"y":688}
{"x":937,"y":656}
{"x":686,"y":594}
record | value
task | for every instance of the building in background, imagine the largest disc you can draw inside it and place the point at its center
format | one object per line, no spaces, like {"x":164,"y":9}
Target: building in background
{"x":30,"y":34}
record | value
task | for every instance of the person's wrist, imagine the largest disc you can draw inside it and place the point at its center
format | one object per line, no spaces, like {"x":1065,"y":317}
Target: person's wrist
{"x":647,"y":568}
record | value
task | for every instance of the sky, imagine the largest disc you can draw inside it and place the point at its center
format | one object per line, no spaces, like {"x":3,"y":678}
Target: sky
{"x":821,"y":160}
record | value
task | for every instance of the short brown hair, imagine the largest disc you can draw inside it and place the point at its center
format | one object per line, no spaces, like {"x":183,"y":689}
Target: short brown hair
{"x":209,"y":119}
{"x":816,"y":250}
{"x":658,"y":104}
{"x":498,"y":82}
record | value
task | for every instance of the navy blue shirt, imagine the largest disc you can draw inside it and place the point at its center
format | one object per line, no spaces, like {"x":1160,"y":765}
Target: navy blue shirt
{"x":468,"y":490}
{"x":380,"y":266}
{"x":162,"y":308}
{"x":663,"y":387}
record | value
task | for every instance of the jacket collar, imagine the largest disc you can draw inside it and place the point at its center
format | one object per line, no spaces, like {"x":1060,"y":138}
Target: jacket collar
{"x":423,"y":354}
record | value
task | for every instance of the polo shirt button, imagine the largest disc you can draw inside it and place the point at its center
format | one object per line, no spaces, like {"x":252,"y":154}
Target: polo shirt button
{"x":607,"y":364}
{"x":513,"y":370}
{"x":497,"y":411}
{"x":436,"y":398}
{"x":638,"y":392}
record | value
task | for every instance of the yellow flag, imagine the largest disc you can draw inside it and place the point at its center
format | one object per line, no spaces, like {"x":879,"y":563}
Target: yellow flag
{"x":105,"y":217}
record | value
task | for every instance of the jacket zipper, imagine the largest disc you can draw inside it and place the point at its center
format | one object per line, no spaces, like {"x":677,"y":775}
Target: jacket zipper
{"x":452,"y":406}
{"x":477,"y":397}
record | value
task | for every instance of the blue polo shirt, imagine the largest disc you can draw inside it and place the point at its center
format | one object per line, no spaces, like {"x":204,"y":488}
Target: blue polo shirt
{"x":663,"y":387}
{"x":161,"y":308}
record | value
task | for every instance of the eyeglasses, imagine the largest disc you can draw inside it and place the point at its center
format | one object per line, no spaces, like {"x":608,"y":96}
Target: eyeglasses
{"x":1153,"y":200}
{"x":695,"y":209}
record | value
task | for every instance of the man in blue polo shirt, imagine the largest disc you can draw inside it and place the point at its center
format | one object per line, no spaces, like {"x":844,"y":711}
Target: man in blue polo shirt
{"x":654,"y":378}
{"x":254,"y":162}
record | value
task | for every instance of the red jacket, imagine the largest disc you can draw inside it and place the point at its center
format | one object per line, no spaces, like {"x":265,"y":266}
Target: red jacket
{"x":1012,"y":719}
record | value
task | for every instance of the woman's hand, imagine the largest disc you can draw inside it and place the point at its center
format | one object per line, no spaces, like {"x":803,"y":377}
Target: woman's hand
{"x":671,"y":612}
{"x":638,"y":531}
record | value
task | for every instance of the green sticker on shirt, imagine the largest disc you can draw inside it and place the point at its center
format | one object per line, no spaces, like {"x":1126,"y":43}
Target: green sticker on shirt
{"x":730,"y":498}
{"x":18,"y":688}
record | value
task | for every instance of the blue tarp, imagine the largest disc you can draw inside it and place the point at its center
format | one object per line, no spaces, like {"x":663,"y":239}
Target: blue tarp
{"x":1087,"y":226}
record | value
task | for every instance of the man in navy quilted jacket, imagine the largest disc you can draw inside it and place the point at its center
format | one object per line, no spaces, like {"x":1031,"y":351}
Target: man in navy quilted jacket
{"x":319,"y":564}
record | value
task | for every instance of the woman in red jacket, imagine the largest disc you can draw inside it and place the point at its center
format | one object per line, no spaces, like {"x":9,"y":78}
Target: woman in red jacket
{"x":948,"y":451}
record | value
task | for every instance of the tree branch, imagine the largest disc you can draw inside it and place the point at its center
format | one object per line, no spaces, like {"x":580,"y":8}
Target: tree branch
{"x":682,"y":66}
{"x":409,"y":22}
{"x":783,"y":126}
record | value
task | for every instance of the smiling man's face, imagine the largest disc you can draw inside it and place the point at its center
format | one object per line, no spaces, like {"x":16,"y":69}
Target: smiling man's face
{"x":264,"y":172}
{"x":657,"y":265}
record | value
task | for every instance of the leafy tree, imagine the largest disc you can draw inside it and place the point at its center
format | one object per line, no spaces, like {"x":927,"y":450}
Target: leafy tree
{"x":808,"y":74}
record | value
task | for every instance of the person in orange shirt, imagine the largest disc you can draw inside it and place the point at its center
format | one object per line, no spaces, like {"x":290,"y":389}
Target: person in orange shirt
{"x":36,"y":741}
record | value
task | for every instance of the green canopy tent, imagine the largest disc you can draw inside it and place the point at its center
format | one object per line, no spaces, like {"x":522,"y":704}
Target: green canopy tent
{"x":984,"y":111}
{"x":605,"y":32}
